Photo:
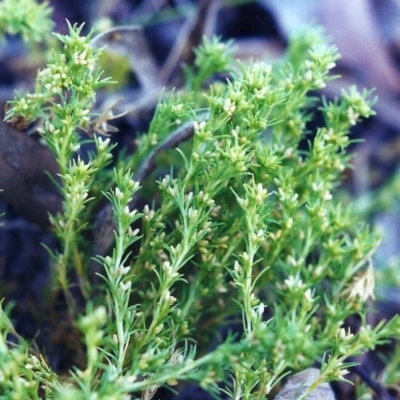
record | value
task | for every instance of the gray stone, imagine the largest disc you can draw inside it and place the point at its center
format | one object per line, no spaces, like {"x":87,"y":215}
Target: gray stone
{"x":298,"y":384}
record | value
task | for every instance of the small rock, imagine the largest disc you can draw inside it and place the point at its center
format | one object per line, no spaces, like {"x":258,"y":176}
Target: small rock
{"x":299,"y":383}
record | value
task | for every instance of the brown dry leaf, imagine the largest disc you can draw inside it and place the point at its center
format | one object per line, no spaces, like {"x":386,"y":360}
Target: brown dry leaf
{"x":130,"y":41}
{"x":190,"y":36}
{"x":355,"y":32}
{"x":24,"y":164}
{"x":354,"y":28}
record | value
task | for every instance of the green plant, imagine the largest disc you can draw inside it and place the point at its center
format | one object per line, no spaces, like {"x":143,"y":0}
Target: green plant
{"x":245,"y":229}
{"x":27,"y":18}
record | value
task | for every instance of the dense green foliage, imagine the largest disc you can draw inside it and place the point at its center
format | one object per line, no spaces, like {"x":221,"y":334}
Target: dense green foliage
{"x":246,"y":229}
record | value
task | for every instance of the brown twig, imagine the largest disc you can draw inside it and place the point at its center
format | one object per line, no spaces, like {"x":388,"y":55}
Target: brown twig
{"x":104,"y":225}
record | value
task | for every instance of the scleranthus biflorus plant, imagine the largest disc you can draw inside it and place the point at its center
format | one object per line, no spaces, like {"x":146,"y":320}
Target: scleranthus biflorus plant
{"x":243,"y":265}
{"x":25,"y":17}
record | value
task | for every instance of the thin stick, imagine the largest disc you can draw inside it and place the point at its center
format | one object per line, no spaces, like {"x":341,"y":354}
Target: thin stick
{"x":104,"y":225}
